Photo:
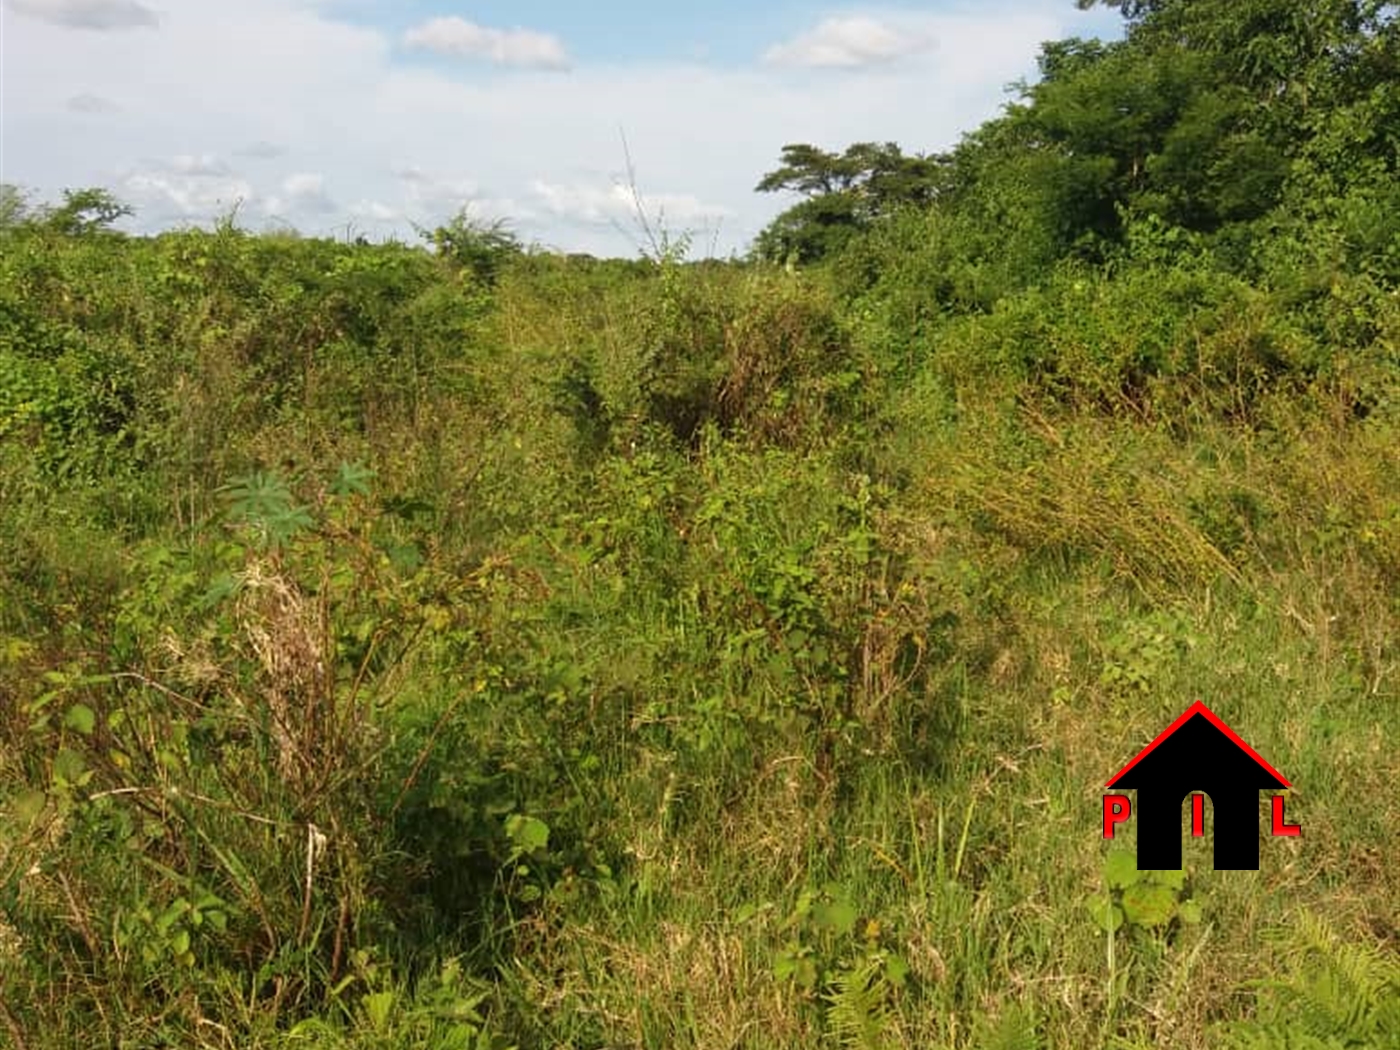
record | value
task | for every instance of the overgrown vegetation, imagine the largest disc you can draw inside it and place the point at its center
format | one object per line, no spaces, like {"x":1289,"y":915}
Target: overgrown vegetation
{"x":481,"y":648}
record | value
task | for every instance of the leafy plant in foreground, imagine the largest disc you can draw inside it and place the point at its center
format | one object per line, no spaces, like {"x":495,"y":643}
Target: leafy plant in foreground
{"x":833,"y":951}
{"x":1332,"y":994}
{"x":1143,"y":899}
{"x":263,"y":502}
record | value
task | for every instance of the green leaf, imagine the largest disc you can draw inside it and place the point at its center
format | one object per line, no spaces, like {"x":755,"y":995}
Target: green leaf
{"x":1107,"y":914}
{"x":172,"y":914}
{"x":351,"y":479}
{"x":82,"y":718}
{"x":1190,"y":912}
{"x":378,"y":1007}
{"x":1148,"y":904}
{"x":784,"y":966}
{"x":896,"y":970}
{"x":27,"y":806}
{"x":1121,"y":870}
{"x":744,"y":913}
{"x":404,"y":557}
{"x":527,"y":833}
{"x":1172,"y":878}
{"x":838,"y":916}
{"x":224,"y":586}
{"x":68,"y":767}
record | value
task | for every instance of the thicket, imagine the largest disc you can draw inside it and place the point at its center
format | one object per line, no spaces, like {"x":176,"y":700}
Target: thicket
{"x":480,"y":647}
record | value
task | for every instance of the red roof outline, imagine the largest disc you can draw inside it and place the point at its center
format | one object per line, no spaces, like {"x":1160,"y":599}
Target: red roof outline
{"x":1198,"y":708}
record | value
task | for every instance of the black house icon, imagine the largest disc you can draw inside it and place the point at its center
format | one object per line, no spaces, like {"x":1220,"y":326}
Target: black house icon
{"x":1198,"y":752}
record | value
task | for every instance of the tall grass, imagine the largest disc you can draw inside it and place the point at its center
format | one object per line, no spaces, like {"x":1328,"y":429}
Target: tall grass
{"x":598,"y":654}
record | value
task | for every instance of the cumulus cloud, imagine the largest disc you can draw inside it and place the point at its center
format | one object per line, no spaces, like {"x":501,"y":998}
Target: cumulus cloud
{"x":591,"y":204}
{"x":169,"y":196}
{"x":435,"y":197}
{"x":850,"y":43}
{"x":302,"y":197}
{"x":459,"y":38}
{"x":187,"y":187}
{"x":429,"y":198}
{"x":306,"y":191}
{"x":376,"y":211}
{"x":91,"y":105}
{"x":88,"y":14}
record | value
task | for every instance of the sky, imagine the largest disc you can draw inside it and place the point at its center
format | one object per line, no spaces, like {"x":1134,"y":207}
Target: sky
{"x":371,"y":117}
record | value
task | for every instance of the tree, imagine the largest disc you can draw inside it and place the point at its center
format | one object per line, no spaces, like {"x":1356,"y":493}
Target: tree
{"x":84,"y":211}
{"x":1168,"y":132}
{"x":1133,"y":10}
{"x":1282,"y":91}
{"x":479,"y":246}
{"x":845,"y":193}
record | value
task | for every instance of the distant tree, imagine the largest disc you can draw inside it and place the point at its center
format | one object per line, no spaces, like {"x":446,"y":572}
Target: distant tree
{"x":478,"y":245}
{"x":809,"y":171}
{"x":84,"y":211}
{"x":844,"y":192}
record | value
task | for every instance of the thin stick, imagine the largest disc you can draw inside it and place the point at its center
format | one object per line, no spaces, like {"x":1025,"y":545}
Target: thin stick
{"x":315,"y":843}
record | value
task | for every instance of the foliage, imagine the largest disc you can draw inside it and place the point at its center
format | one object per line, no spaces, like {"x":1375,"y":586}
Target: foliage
{"x":85,"y":212}
{"x":1146,"y":899}
{"x":1330,"y":993}
{"x":833,"y":952}
{"x":844,"y":193}
{"x":462,"y":646}
{"x":479,"y":247}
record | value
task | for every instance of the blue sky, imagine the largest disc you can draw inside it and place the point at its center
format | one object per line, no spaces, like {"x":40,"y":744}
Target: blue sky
{"x":726,"y":31}
{"x":373,"y":115}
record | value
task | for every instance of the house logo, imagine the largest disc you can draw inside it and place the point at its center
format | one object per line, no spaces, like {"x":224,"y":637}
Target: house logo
{"x":1197,"y":753}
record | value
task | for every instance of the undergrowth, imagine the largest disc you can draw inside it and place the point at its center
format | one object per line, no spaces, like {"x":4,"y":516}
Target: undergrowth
{"x":487,"y":648}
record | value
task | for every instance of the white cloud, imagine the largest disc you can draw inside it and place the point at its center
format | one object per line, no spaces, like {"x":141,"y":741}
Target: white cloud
{"x":172,"y":197}
{"x":307,"y":192}
{"x":93,"y":105}
{"x":595,"y":205}
{"x":437,"y":192}
{"x":506,"y":47}
{"x":429,"y":199}
{"x":850,"y":43}
{"x":304,"y":184}
{"x":88,"y":14}
{"x":376,"y":211}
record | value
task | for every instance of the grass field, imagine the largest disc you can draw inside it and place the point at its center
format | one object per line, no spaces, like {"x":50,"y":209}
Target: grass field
{"x":679,"y":655}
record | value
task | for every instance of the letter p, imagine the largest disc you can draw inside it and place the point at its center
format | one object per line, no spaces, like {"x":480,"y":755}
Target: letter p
{"x":1116,"y":809}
